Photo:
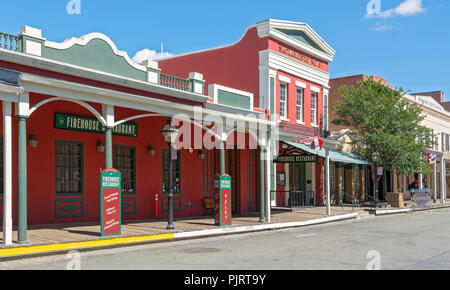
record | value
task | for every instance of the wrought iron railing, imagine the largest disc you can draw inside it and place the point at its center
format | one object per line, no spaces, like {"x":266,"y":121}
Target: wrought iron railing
{"x":295,"y":199}
{"x":175,"y":83}
{"x":10,"y":42}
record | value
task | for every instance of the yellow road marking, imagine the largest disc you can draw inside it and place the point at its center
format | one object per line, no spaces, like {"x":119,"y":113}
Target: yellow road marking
{"x":80,"y":245}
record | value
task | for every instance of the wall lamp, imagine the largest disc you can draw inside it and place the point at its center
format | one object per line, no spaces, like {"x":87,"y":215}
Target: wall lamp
{"x":201,"y":154}
{"x":151,"y":151}
{"x":32,"y":141}
{"x":100,"y":146}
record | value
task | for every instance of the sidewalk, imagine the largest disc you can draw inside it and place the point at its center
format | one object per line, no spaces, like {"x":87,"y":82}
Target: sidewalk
{"x":47,"y":239}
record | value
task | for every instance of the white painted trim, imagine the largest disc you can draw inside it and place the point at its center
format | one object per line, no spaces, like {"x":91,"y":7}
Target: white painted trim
{"x":64,"y":68}
{"x":108,"y":115}
{"x":315,"y":89}
{"x":300,"y":84}
{"x":284,"y":79}
{"x":7,"y":173}
{"x":31,"y":31}
{"x":81,"y":103}
{"x":22,"y":106}
{"x":268,"y":28}
{"x":198,"y":124}
{"x":279,"y":62}
{"x":74,"y":91}
{"x":84,"y":40}
{"x":10,"y":93}
{"x":33,"y":47}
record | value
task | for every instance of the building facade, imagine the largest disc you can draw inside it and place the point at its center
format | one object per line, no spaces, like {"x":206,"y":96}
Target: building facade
{"x":436,"y":118}
{"x":284,"y":66}
{"x":74,"y":108}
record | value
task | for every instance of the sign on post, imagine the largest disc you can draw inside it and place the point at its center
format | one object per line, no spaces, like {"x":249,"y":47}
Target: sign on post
{"x":111,"y":208}
{"x":222,"y":200}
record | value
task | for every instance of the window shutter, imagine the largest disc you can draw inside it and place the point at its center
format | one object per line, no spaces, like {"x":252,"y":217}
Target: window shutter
{"x":447,"y":145}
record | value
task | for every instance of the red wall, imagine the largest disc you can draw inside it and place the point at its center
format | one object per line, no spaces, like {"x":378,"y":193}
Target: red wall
{"x":235,"y":66}
{"x":41,"y":167}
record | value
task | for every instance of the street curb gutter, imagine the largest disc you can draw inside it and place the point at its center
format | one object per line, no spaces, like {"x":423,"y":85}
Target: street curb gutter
{"x":234,"y":230}
{"x":33,"y":251}
{"x":407,"y":210}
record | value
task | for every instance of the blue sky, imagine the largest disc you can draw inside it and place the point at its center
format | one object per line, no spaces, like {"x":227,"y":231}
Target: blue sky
{"x":408,"y":43}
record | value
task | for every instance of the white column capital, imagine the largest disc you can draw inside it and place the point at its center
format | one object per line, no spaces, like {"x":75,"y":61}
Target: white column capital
{"x":108,"y":115}
{"x":23,"y":105}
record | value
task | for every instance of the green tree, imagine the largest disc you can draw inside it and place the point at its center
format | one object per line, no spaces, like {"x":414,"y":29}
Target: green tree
{"x":385,"y":122}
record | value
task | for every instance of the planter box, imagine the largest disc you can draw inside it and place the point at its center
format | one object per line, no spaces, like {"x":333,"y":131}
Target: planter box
{"x":395,"y":199}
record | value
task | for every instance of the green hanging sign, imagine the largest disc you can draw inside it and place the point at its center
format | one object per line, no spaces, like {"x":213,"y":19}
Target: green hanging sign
{"x":93,"y":125}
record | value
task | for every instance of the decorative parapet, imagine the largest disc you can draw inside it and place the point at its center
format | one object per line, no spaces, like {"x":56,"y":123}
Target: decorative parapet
{"x":175,"y":83}
{"x":10,"y":42}
{"x":96,"y":51}
{"x":198,"y":84}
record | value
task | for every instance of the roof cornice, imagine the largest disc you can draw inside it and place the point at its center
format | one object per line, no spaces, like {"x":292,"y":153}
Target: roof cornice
{"x":269,"y":28}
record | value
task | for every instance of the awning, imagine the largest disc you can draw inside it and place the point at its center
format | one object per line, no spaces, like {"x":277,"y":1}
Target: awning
{"x":335,"y":155}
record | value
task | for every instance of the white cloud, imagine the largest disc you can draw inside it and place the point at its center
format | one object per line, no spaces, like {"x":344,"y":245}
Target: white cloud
{"x":405,"y":9}
{"x":149,"y":54}
{"x":410,"y":8}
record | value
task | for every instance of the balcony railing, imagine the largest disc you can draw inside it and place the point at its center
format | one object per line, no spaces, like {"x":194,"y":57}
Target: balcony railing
{"x":295,"y":199}
{"x":10,"y":42}
{"x":175,"y":83}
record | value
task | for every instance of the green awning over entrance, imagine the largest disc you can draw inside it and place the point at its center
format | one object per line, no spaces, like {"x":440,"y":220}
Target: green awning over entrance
{"x":335,"y":155}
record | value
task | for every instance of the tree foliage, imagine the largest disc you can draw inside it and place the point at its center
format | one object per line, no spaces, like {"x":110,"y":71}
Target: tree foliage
{"x":385,"y":122}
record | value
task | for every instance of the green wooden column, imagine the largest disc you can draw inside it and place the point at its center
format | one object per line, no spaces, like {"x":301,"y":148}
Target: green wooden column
{"x":22,"y":181}
{"x":222,"y":158}
{"x":262,"y":218}
{"x":108,"y":148}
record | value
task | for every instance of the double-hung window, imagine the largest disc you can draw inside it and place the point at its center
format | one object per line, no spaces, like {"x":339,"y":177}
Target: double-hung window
{"x":299,"y":108}
{"x":124,"y":160}
{"x":69,"y":168}
{"x":283,"y":101}
{"x":176,"y":172}
{"x":314,"y":96}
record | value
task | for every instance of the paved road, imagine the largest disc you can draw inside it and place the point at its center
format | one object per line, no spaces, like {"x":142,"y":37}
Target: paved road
{"x":409,"y":241}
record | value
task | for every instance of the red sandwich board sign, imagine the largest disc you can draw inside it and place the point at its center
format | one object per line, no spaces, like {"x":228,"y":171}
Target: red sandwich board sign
{"x":111,"y":207}
{"x":222,"y":200}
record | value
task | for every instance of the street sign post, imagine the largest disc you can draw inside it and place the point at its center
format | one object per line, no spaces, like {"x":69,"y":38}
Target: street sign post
{"x":222,"y":200}
{"x":110,"y":187}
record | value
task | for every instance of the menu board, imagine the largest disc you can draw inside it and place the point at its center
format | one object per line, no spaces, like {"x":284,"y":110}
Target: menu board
{"x":111,"y":202}
{"x":223,"y":200}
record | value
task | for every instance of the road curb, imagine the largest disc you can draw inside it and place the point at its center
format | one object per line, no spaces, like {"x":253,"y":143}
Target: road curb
{"x":263,"y":227}
{"x":407,"y":210}
{"x":52,"y":249}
